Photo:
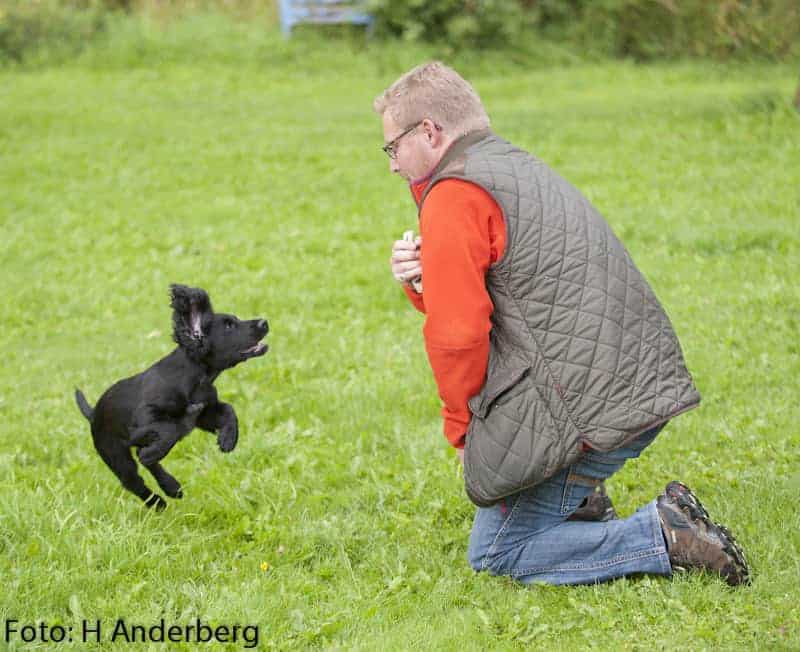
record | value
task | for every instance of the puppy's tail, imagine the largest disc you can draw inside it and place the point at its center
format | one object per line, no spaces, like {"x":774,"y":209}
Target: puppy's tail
{"x":83,"y":405}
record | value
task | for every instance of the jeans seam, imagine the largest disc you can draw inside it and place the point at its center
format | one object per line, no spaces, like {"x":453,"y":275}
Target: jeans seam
{"x":500,"y":533}
{"x":564,"y":492}
{"x":658,"y":539}
{"x":608,"y":563}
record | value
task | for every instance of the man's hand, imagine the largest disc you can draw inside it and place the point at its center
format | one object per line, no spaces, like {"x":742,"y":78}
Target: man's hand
{"x":405,"y":260}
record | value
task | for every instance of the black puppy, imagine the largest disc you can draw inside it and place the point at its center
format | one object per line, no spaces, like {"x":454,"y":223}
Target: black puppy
{"x":154,"y":409}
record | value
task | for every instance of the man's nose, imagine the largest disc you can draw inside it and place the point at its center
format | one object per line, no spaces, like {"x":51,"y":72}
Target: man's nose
{"x":393,"y":166}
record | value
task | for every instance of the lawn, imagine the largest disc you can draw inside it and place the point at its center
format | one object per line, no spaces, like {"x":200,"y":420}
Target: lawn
{"x":340,"y":521}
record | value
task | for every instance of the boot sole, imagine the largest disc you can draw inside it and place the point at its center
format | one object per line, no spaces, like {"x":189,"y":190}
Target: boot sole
{"x":685,"y":499}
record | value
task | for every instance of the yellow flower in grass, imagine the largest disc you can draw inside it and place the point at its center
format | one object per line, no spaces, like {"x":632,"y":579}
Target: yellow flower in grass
{"x":264,"y":566}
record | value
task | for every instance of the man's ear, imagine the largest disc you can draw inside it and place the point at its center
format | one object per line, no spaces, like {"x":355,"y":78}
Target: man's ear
{"x":190,"y":309}
{"x":433,"y":133}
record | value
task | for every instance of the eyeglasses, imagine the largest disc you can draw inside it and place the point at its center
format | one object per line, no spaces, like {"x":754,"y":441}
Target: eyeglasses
{"x":391,"y":147}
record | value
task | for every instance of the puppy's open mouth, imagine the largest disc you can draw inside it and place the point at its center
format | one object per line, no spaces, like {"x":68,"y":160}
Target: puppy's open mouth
{"x":255,"y":350}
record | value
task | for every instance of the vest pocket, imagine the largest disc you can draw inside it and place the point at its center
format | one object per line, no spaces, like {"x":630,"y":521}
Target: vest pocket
{"x":498,"y":390}
{"x":512,"y":437}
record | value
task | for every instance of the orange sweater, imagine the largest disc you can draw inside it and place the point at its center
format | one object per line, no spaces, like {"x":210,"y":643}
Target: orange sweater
{"x":463,"y":233}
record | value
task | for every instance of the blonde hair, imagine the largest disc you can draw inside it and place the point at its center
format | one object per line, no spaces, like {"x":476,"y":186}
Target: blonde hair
{"x":435,"y":91}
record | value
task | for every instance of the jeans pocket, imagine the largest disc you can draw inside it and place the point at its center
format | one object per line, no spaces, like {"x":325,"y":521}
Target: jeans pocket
{"x":577,"y":488}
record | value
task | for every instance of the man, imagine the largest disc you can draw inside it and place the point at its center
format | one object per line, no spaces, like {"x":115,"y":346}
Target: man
{"x":553,"y":358}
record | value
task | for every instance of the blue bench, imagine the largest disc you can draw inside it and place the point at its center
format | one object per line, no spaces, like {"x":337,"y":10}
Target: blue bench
{"x":320,"y":12}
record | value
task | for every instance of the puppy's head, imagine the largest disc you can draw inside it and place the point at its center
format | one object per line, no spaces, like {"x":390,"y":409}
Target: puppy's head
{"x":218,"y":340}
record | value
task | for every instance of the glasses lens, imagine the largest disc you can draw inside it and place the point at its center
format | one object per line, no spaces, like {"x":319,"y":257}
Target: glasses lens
{"x":389,"y":148}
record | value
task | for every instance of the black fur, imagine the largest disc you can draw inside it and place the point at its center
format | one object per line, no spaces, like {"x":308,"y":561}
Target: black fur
{"x":153,"y":410}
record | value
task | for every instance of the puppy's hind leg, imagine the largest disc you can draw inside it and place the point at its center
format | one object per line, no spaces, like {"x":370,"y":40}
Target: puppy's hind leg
{"x":121,"y":462}
{"x":165,"y":480}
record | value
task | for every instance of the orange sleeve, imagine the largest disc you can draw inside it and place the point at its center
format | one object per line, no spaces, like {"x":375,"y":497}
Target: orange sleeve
{"x":415,"y":298}
{"x":463,"y":233}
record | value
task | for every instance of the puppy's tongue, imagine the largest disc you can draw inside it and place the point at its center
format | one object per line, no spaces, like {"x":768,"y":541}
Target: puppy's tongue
{"x":257,"y":349}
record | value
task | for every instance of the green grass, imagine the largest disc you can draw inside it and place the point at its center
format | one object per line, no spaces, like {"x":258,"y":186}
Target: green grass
{"x":263,"y":182}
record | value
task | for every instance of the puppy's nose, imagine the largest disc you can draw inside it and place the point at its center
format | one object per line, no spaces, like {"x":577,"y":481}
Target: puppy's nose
{"x":262,"y":324}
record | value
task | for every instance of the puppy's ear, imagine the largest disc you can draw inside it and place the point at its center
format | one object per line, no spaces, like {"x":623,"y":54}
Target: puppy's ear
{"x":191,"y":307}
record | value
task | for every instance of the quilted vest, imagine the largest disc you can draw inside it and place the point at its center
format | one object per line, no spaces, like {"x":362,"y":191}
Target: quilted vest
{"x":582,"y":355}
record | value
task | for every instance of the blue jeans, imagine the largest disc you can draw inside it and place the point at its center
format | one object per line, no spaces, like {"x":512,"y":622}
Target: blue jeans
{"x":527,"y":535}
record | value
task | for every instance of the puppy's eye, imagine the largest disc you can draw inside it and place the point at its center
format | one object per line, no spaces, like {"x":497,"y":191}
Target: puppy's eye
{"x":229,"y":324}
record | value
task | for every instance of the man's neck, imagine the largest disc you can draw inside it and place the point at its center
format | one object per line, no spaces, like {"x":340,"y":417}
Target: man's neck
{"x":446,"y":144}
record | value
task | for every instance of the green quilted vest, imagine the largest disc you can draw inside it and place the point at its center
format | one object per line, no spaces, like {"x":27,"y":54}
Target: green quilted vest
{"x":581,"y":352}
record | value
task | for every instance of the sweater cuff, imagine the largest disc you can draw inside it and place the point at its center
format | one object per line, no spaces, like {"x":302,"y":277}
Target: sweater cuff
{"x":454,"y":433}
{"x":415,"y":297}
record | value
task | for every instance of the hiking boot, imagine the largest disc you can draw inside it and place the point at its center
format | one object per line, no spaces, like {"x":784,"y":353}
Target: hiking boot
{"x":694,"y":540}
{"x":595,"y":507}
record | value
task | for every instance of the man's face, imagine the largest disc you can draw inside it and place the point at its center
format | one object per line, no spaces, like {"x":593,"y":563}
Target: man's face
{"x":415,"y":154}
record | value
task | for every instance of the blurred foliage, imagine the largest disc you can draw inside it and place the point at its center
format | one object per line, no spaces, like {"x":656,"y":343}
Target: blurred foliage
{"x":651,"y":29}
{"x":49,"y":29}
{"x":638,"y":29}
{"x":641,"y":30}
{"x":459,"y":23}
{"x":55,"y":30}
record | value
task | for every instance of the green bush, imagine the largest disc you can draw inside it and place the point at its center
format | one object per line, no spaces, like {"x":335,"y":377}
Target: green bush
{"x":50,"y":31}
{"x":458,"y":23}
{"x":47,"y":29}
{"x":637,"y":29}
{"x":721,"y":29}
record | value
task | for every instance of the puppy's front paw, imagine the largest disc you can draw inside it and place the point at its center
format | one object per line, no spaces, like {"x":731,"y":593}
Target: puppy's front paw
{"x":175,"y":493}
{"x":227,"y":438}
{"x":171,"y":487}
